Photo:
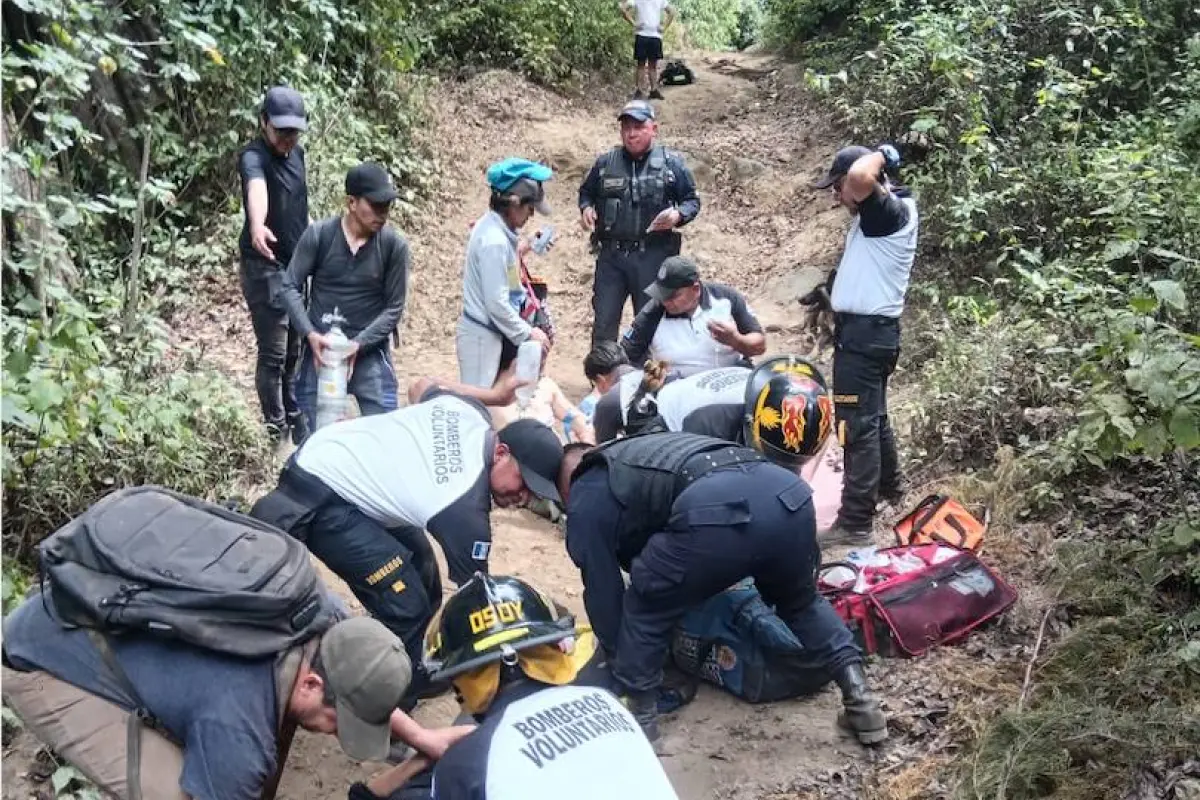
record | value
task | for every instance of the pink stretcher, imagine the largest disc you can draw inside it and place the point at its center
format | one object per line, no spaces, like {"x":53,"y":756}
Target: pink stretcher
{"x":824,"y":474}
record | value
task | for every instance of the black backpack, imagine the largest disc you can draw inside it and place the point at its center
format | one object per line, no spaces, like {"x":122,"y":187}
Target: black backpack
{"x":150,"y":560}
{"x":676,"y":73}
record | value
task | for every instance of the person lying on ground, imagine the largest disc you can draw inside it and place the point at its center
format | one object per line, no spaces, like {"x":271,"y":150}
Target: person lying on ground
{"x":687,"y":516}
{"x":358,"y":267}
{"x":550,"y":406}
{"x":360,"y":494}
{"x":225,"y":719}
{"x":532,"y":682}
{"x":693,"y":324}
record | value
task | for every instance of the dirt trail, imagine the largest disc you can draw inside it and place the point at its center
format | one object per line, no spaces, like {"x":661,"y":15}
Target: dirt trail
{"x":753,"y":145}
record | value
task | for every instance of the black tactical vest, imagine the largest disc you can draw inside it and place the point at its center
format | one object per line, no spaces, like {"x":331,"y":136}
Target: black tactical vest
{"x":647,"y":472}
{"x":632,"y":195}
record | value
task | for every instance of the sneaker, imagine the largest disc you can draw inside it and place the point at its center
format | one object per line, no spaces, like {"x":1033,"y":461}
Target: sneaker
{"x":655,"y":94}
{"x":299,"y":426}
{"x":841,"y":535}
{"x":637,"y":94}
{"x":275,"y":432}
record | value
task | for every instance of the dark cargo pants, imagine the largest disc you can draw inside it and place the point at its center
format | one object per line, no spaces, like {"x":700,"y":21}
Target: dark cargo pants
{"x":277,"y":341}
{"x":753,"y":520}
{"x":865,"y":355}
{"x":622,"y":274}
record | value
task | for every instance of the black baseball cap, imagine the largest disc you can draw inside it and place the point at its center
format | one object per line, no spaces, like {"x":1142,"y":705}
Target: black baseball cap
{"x":637,"y":109}
{"x":372,"y":182}
{"x":842,"y":162}
{"x":532,"y":192}
{"x":538,"y":453}
{"x":284,"y":109}
{"x":675,"y":273}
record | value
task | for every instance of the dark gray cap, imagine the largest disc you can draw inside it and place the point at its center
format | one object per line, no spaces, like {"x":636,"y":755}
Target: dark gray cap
{"x":284,"y":109}
{"x":675,"y":273}
{"x":372,"y":182}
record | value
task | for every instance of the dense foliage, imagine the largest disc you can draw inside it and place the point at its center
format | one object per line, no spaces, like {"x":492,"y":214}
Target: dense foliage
{"x":1053,"y":146}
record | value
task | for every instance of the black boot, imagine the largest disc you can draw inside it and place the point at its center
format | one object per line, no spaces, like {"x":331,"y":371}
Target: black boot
{"x":644,"y":707}
{"x":299,"y":426}
{"x":862,"y":713}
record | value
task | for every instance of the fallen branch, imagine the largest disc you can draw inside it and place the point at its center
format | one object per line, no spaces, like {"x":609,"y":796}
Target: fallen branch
{"x":1037,"y":647}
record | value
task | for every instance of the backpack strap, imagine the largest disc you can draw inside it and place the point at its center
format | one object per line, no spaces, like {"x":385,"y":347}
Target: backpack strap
{"x":138,"y":717}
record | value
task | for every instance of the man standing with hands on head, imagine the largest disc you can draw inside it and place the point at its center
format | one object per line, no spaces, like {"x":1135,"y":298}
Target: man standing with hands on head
{"x":275,"y":203}
{"x":868,"y":299}
{"x":633,"y":200}
{"x":650,"y":20}
{"x":359,"y":268}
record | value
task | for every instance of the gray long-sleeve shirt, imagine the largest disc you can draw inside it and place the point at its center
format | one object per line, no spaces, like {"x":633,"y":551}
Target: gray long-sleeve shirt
{"x":368,"y":288}
{"x":492,"y":289}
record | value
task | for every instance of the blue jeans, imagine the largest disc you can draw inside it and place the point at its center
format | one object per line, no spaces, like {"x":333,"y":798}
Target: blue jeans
{"x":373,"y":383}
{"x":753,"y":521}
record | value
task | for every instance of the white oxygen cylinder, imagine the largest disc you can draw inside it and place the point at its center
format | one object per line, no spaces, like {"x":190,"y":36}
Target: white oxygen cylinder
{"x":333,"y":375}
{"x":529,"y":368}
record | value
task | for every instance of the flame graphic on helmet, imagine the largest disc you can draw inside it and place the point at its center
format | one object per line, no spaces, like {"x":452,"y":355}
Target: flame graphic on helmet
{"x":825,"y":407}
{"x":791,"y":411}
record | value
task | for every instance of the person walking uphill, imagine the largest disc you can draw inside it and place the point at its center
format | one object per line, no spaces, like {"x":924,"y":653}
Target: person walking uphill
{"x":275,"y":206}
{"x":633,"y":200}
{"x":868,"y":299}
{"x":492,"y":325}
{"x":688,"y":516}
{"x":359,"y":268}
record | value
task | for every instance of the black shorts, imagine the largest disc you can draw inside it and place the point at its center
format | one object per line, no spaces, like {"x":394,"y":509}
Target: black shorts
{"x":647,"y":48}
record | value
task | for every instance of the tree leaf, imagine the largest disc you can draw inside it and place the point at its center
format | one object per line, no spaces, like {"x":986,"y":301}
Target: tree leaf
{"x":1170,"y":293}
{"x":1184,"y":428}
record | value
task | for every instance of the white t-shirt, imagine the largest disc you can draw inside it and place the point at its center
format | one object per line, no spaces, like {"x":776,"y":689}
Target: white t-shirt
{"x":873,"y":276}
{"x":425,"y":465}
{"x":566,"y":740}
{"x":679,"y":398}
{"x":648,"y":16}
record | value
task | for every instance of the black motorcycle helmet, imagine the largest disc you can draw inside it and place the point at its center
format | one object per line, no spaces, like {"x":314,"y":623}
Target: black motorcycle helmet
{"x":489,"y":619}
{"x":788,"y":410}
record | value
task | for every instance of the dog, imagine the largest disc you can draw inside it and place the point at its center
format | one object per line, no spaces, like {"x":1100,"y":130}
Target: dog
{"x":818,"y":317}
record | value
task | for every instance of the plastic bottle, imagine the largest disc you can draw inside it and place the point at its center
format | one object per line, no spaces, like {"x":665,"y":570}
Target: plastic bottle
{"x":333,"y":374}
{"x":542,"y":239}
{"x":529,"y":368}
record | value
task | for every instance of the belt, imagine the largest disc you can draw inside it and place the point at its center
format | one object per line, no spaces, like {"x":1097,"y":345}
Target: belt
{"x":623,"y":245}
{"x":842,"y":318}
{"x":701,"y":464}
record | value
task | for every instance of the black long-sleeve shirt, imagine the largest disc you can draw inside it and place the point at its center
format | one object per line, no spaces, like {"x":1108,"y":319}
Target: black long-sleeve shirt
{"x":368,"y":288}
{"x":593,"y":522}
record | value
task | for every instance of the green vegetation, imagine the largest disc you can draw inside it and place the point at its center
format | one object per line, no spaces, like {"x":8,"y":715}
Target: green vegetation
{"x":1053,"y":146}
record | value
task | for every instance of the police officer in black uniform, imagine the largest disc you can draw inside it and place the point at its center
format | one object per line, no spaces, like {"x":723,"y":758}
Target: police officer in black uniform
{"x":633,"y":200}
{"x":687,"y":516}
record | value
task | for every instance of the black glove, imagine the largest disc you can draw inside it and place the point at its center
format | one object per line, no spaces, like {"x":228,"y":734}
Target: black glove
{"x":359,"y":791}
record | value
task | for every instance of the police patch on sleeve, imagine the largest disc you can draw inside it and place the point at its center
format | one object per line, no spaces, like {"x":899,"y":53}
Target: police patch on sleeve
{"x":480,"y":550}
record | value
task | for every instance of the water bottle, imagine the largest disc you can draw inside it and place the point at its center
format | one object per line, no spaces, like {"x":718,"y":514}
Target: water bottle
{"x":529,"y":368}
{"x":542,"y":239}
{"x":333,"y":374}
